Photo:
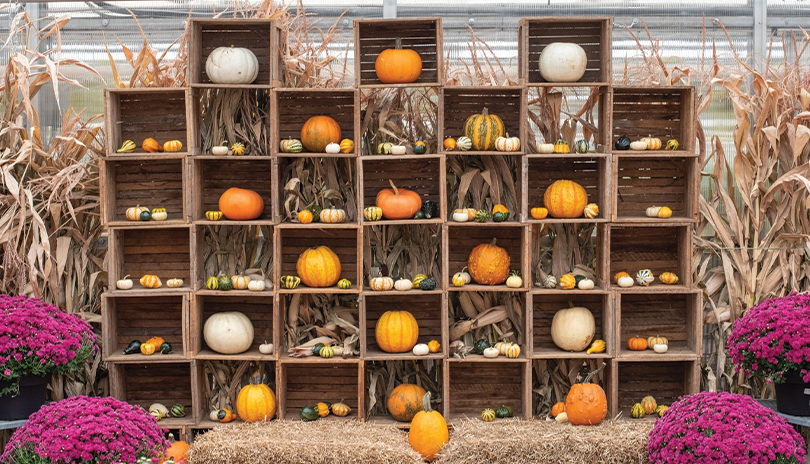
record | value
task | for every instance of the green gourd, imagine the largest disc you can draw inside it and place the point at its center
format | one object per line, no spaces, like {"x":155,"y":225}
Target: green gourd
{"x":308,"y":413}
{"x":480,"y":346}
{"x":134,"y":347}
{"x":430,"y":209}
{"x":503,"y":411}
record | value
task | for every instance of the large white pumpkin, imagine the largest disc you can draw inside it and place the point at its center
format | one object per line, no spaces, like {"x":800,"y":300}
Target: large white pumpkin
{"x":563,"y":62}
{"x":232,"y":65}
{"x":228,"y":332}
{"x":572,"y":329}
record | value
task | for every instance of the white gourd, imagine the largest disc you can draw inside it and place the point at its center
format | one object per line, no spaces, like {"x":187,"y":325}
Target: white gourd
{"x":228,"y":332}
{"x":421,"y":349}
{"x":572,"y":329}
{"x":232,"y":65}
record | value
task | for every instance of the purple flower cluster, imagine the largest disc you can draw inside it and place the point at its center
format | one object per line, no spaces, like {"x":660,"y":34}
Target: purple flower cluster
{"x":87,"y":430}
{"x":723,"y":428}
{"x":38,"y":338}
{"x":773,"y":338}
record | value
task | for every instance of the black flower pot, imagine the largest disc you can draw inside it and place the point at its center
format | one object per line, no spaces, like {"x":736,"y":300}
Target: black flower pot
{"x":793,"y":396}
{"x":31,"y":397}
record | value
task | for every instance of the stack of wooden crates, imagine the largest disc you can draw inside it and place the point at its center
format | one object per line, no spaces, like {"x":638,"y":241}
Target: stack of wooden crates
{"x":189,"y":183}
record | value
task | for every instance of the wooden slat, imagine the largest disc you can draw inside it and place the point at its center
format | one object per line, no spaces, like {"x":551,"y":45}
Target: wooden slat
{"x":306,"y":385}
{"x":152,"y":184}
{"x":164,"y":252}
{"x":645,"y":182}
{"x":589,"y":33}
{"x":665,"y":381}
{"x":663,"y":112}
{"x":144,"y":318}
{"x":145,"y":384}
{"x":476,"y":386}
{"x":656,"y":248}
{"x":295,"y":107}
{"x":140,"y":115}
{"x":255,"y":35}
{"x":546,"y":306}
{"x":216,"y":176}
{"x":372,"y":37}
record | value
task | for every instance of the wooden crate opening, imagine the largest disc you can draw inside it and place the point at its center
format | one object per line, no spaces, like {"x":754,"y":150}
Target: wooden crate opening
{"x":664,"y":381}
{"x":544,"y":307}
{"x":559,"y":249}
{"x":642,"y":182}
{"x":306,"y":384}
{"x":302,"y":178}
{"x":594,"y":35}
{"x":459,"y":103}
{"x":593,"y":103}
{"x":261,"y":37}
{"x":512,"y":330}
{"x":657,"y":248}
{"x":674,"y":316}
{"x":344,"y":242}
{"x":140,"y":114}
{"x":475,"y":386}
{"x":589,"y":172}
{"x":422,"y":174}
{"x":324,"y":307}
{"x":461,"y":240}
{"x":545,"y":370}
{"x":214,"y":176}
{"x":162,"y":252}
{"x":141,"y":318}
{"x":427,"y":309}
{"x":234,"y":250}
{"x":259,"y":309}
{"x":411,"y":115}
{"x":218,"y":378}
{"x":408,"y":250}
{"x":149,"y":383}
{"x":380,"y":374}
{"x":662,"y":112}
{"x":424,"y":36}
{"x":152,"y":184}
{"x":507,"y":169}
{"x":295,"y":107}
{"x":226,"y":116}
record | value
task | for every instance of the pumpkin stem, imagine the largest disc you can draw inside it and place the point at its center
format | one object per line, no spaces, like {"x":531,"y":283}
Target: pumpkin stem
{"x":398,"y":43}
{"x":426,"y":403}
{"x":492,"y":243}
{"x":588,"y":378}
{"x":485,"y":111}
{"x":396,"y":190}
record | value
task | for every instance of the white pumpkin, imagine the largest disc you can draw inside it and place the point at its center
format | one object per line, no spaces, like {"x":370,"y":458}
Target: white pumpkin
{"x":220,"y":150}
{"x":403,"y":285}
{"x":460,"y":215}
{"x":174,"y":283}
{"x":214,"y":415}
{"x":652,"y":211}
{"x":572,"y":329}
{"x":232,"y":65}
{"x":421,"y":349}
{"x":333,"y":148}
{"x":338,"y":350}
{"x":585,"y":284}
{"x":625,"y":281}
{"x":660,"y":348}
{"x":563,"y":62}
{"x":491,"y":352}
{"x":514,"y":281}
{"x":256,"y":285}
{"x":266,"y":348}
{"x":124,"y":284}
{"x":507,"y":143}
{"x":228,"y":332}
{"x":562,"y":417}
{"x":164,"y":411}
{"x":545,"y":148}
{"x":398,"y":150}
{"x":638,"y":145}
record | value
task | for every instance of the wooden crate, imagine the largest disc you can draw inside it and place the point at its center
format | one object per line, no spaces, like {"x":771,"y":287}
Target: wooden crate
{"x":257,"y":307}
{"x":591,"y":171}
{"x":659,"y":248}
{"x":592,"y":104}
{"x":344,"y":240}
{"x":420,"y":173}
{"x":543,"y":398}
{"x":409,"y":114}
{"x":409,"y":250}
{"x":233,"y":250}
{"x":456,"y":104}
{"x":593,"y":34}
{"x":422,"y":35}
{"x":295,"y":106}
{"x":305,"y":384}
{"x":152,"y":183}
{"x":513,"y":330}
{"x":140,"y":318}
{"x":137,"y":114}
{"x":261,"y":36}
{"x":253,"y":372}
{"x":332,"y":173}
{"x":426,"y":373}
{"x":218,"y":117}
{"x":544,"y":307}
{"x":137,"y":251}
{"x":641,"y":181}
{"x":662,"y":112}
{"x":676,"y":316}
{"x":549,"y":245}
{"x":460,"y":241}
{"x":664,"y":381}
{"x":472,"y":386}
{"x":212,"y":176}
{"x":460,"y":166}
{"x":287,"y":329}
{"x":429,"y":314}
{"x":166,"y":383}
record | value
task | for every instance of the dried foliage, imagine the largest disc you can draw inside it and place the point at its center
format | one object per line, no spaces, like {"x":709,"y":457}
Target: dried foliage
{"x":232,"y":115}
{"x":403,"y":251}
{"x":495,"y":316}
{"x":383,"y":377}
{"x":238,"y":250}
{"x":224,"y":380}
{"x":563,"y":248}
{"x":321,"y":318}
{"x":482,"y":182}
{"x":547,"y":107}
{"x":399,"y":115}
{"x":484,"y":68}
{"x":553,"y":378}
{"x":326,"y":182}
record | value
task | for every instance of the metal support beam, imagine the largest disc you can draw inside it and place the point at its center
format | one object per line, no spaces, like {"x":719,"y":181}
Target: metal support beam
{"x":389,"y":9}
{"x":760,"y":33}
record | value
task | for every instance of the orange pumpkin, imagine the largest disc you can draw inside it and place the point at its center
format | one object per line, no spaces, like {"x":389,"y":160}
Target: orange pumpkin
{"x":565,"y":199}
{"x":449,"y":144}
{"x":586,"y":403}
{"x":396,"y":331}
{"x":178,"y":451}
{"x":637,"y":344}
{"x":318,"y":132}
{"x":241,"y":204}
{"x":318,"y":267}
{"x":488,"y":264}
{"x":305,"y":216}
{"x":559,"y":407}
{"x":398,"y":66}
{"x":151,"y":145}
{"x":405,"y":401}
{"x":429,"y":432}
{"x":539,"y":213}
{"x":398,"y":203}
{"x":256,"y":403}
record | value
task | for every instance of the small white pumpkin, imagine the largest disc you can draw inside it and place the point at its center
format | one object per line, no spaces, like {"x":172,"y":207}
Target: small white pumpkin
{"x":513,"y":351}
{"x":645,"y":277}
{"x":398,"y":150}
{"x":491,"y":352}
{"x":159,"y":214}
{"x":333,"y":148}
{"x":338,"y":350}
{"x":514,"y":281}
{"x":463,"y":144}
{"x":660,"y":348}
{"x":625,"y":281}
{"x":460,"y":215}
{"x":563,"y":62}
{"x":220,"y":150}
{"x":403,"y":285}
{"x":502,"y":347}
{"x":256,"y":285}
{"x":652,"y":211}
{"x":229,"y":332}
{"x":124,"y":284}
{"x":507,"y":143}
{"x":174,"y":283}
{"x":421,"y":349}
{"x":214,"y":415}
{"x":562,"y":417}
{"x":381,"y":284}
{"x":266,"y":348}
{"x":164,"y":411}
{"x":232,"y":65}
{"x":585,"y":284}
{"x":638,"y":145}
{"x":459,"y":280}
{"x":545,"y":148}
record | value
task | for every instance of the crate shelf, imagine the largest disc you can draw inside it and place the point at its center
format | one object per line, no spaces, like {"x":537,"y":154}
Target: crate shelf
{"x":659,"y":248}
{"x":157,"y":183}
{"x":260,"y":36}
{"x":383,"y":375}
{"x":222,"y":380}
{"x":218,"y":120}
{"x":305,"y":384}
{"x":293,"y":107}
{"x":137,"y":252}
{"x":592,"y":173}
{"x":593,"y":34}
{"x":639,"y":183}
{"x":456,"y":104}
{"x":422,"y":35}
{"x":592,"y":104}
{"x":422,"y":175}
{"x":301,"y":181}
{"x":345,"y":242}
{"x":665,"y":381}
{"x":460,"y":187}
{"x":427,"y":309}
{"x":546,"y":306}
{"x":137,"y":114}
{"x":149,"y":383}
{"x":678,"y":317}
{"x":317,"y":316}
{"x":259,"y":308}
{"x":407,"y":249}
{"x":460,"y":242}
{"x":128,"y":319}
{"x":212,"y":177}
{"x":472,"y":386}
{"x":234,"y":250}
{"x":513,"y":329}
{"x":558,"y":249}
{"x":544,"y":369}
{"x":662,"y":112}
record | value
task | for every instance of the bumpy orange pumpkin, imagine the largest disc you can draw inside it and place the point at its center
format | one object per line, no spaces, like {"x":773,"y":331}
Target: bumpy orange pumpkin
{"x":488,"y":264}
{"x":318,"y":267}
{"x":256,"y":403}
{"x":178,"y":451}
{"x":429,"y":432}
{"x":558,"y":407}
{"x":586,"y":403}
{"x":565,"y":199}
{"x":396,"y":331}
{"x":405,"y":401}
{"x":241,"y":204}
{"x":398,"y":66}
{"x":318,"y":132}
{"x":398,"y":203}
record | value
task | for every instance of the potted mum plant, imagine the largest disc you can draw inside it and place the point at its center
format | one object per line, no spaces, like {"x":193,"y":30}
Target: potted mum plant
{"x":773,"y":340}
{"x":36,"y":340}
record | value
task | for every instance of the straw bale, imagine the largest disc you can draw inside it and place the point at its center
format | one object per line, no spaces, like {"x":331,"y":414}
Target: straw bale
{"x":518,"y":442}
{"x":294,"y":442}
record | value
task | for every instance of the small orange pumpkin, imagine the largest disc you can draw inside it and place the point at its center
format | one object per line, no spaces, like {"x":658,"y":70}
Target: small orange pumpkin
{"x":637,"y":344}
{"x":151,"y":145}
{"x":434,"y":346}
{"x":178,"y":451}
{"x":241,"y":204}
{"x":305,"y":216}
{"x":449,"y":144}
{"x":318,"y":132}
{"x":173,"y":146}
{"x":539,"y":213}
{"x":558,"y":408}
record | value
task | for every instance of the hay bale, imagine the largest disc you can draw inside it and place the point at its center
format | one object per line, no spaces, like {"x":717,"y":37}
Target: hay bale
{"x":294,"y":442}
{"x":517,"y":442}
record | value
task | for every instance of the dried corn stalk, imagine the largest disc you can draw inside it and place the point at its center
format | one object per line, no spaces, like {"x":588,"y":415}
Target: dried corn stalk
{"x":231,"y":115}
{"x":231,"y":250}
{"x":399,"y":116}
{"x":495,"y":316}
{"x":224,"y":380}
{"x":403,"y":252}
{"x":547,"y":108}
{"x":481,"y":182}
{"x":334,"y":317}
{"x":563,"y":248}
{"x":326,"y":182}
{"x":384,"y":377}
